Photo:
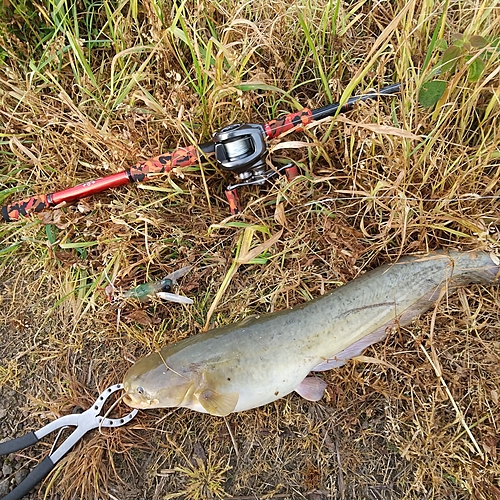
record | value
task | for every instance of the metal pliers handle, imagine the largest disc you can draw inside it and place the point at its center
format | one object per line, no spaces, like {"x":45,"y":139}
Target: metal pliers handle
{"x":83,"y":422}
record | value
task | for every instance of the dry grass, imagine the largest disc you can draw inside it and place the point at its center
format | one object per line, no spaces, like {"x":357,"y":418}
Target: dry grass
{"x":90,"y":89}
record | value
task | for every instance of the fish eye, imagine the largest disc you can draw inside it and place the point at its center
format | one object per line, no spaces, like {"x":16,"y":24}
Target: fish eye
{"x":140,"y":391}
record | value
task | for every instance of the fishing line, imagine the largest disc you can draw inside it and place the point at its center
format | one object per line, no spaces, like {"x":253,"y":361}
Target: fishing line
{"x":112,"y":407}
{"x":368,"y":198}
{"x":468,"y":197}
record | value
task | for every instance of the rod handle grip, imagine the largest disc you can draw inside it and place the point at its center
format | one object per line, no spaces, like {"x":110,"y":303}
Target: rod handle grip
{"x":33,"y":204}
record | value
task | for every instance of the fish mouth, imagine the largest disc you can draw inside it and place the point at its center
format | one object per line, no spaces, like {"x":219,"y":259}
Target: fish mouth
{"x":135,"y":401}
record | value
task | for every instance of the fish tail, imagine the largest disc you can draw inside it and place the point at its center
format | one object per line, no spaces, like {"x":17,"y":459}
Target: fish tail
{"x":475,"y":267}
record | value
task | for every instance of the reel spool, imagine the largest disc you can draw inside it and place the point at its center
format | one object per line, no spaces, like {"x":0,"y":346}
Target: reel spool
{"x":241,"y":149}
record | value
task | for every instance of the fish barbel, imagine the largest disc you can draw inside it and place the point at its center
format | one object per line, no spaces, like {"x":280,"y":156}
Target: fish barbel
{"x":259,"y":360}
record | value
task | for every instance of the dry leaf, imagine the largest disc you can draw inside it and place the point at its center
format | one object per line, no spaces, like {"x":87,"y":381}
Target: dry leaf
{"x":246,"y":257}
{"x":279,"y":214}
{"x":381,"y":129}
{"x":375,"y":361}
{"x":139,"y":316}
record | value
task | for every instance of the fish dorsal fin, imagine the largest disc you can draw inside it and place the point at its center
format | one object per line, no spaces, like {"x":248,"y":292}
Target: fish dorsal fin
{"x":311,"y":388}
{"x":218,"y":404}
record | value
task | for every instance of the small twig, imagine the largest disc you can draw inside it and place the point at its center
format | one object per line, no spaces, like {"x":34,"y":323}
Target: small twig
{"x":233,"y":440}
{"x":168,"y":367}
{"x":433,"y":360}
{"x":457,"y":409}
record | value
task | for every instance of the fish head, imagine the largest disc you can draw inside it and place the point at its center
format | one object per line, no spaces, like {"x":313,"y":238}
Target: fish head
{"x":150,"y":383}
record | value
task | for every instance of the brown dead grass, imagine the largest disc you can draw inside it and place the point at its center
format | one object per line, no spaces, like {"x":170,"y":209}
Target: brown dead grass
{"x":386,"y":429}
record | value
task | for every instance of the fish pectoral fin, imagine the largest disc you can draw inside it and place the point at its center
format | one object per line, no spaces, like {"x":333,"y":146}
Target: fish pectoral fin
{"x":311,"y":388}
{"x":218,"y":404}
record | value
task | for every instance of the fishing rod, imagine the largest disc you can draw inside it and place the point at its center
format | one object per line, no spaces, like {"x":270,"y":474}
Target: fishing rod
{"x":238,"y":148}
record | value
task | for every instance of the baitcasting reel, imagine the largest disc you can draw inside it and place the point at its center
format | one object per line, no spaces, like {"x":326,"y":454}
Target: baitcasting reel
{"x":242,"y":150}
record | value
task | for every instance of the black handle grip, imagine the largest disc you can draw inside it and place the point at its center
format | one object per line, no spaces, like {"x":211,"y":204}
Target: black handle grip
{"x":32,"y":479}
{"x":18,"y":443}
